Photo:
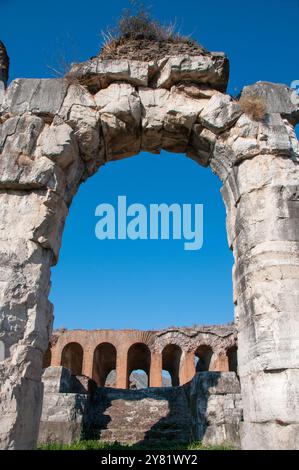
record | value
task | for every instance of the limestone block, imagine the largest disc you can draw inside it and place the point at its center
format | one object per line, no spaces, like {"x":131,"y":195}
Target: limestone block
{"x":18,"y":135}
{"x":269,"y":436}
{"x":222,"y":159}
{"x":57,"y":142}
{"x":202,"y":142}
{"x":276,"y":136}
{"x":278,"y":98}
{"x":57,"y":380}
{"x":280,"y":391}
{"x":220,"y":113}
{"x":19,"y":397}
{"x":167,"y":119}
{"x":23,"y":173}
{"x":204,"y":69}
{"x":215,"y":383}
{"x":43,"y":97}
{"x":86,"y":122}
{"x":77,"y":95}
{"x":222,"y":434}
{"x":120,"y":111}
{"x":36,"y":215}
{"x":100,"y":73}
{"x":62,"y":417}
{"x":216,"y":407}
{"x":25,"y":265}
{"x":222,"y":409}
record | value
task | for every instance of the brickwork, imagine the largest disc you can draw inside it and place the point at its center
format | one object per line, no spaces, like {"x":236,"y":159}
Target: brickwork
{"x":179,"y":351}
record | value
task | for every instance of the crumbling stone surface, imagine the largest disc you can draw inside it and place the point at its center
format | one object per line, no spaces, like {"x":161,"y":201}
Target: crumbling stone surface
{"x":208,"y":408}
{"x":148,"y":50}
{"x":216,"y":405}
{"x":56,"y":133}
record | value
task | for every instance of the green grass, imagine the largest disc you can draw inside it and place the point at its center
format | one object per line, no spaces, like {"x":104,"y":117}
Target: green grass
{"x":96,"y":445}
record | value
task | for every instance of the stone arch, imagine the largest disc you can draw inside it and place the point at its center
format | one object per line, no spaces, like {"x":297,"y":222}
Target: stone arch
{"x":72,"y":358}
{"x":104,"y":361}
{"x":232,"y":357}
{"x":55,"y":133}
{"x":171,"y":362}
{"x":47,"y":357}
{"x":138,"y":358}
{"x":203,"y":357}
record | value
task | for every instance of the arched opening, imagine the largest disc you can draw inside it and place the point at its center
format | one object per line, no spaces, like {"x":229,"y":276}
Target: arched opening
{"x":47,"y":358}
{"x":166,"y":379}
{"x":139,"y":359}
{"x":111,"y":379}
{"x":232,"y":356}
{"x":171,"y":361}
{"x":72,"y":358}
{"x":202,"y":357}
{"x":104,"y":361}
{"x":143,"y":266}
{"x":138,"y":379}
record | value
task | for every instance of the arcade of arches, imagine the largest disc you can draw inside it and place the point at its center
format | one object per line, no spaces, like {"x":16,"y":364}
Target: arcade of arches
{"x":180,"y":352}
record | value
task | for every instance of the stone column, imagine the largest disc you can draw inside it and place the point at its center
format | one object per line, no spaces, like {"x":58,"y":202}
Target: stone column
{"x":31,"y":223}
{"x":87,"y":366}
{"x":262,"y":200}
{"x":56,"y":356}
{"x":187,"y":369}
{"x":121,"y":369}
{"x":24,"y":287}
{"x":156,"y":370}
{"x":220,"y":363}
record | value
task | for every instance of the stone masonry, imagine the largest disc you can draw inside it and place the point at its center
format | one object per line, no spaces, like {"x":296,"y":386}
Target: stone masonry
{"x":207,"y":409}
{"x":179,"y":351}
{"x":55,"y":133}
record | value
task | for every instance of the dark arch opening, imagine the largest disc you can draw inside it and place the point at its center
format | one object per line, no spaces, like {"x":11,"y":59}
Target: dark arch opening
{"x":104,"y":361}
{"x":72,"y":358}
{"x":139,"y":359}
{"x":203,"y":356}
{"x":232,"y":356}
{"x":171,"y":361}
{"x":47,"y":357}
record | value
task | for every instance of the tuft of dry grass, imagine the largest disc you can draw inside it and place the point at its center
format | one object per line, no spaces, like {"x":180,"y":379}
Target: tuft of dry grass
{"x":24,"y":160}
{"x":137,"y":23}
{"x":253,"y":106}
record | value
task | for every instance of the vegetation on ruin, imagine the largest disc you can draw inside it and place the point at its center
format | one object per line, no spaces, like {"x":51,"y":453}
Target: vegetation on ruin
{"x":137,"y":23}
{"x":97,"y":445}
{"x":253,"y":106}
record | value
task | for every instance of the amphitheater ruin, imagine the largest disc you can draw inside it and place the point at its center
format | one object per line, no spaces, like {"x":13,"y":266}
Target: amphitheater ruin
{"x":54,"y":134}
{"x":181,"y":352}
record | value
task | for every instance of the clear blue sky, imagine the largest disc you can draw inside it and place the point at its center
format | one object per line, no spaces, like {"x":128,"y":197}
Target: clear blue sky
{"x":149,"y":284}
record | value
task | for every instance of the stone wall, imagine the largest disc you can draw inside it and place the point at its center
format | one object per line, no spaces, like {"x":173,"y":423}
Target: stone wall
{"x":207,"y":409}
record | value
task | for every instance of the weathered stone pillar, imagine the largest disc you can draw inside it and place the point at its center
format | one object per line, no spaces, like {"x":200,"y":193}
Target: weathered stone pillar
{"x":56,"y":356}
{"x":220,"y":363}
{"x":87,"y":366}
{"x":156,"y":370}
{"x":187,"y":369}
{"x":262,"y":198}
{"x":26,"y":257}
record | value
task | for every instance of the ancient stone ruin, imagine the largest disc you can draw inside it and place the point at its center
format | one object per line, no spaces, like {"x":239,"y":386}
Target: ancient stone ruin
{"x":55,"y":133}
{"x":88,"y":381}
{"x":180,"y":351}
